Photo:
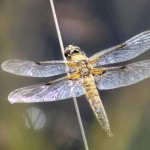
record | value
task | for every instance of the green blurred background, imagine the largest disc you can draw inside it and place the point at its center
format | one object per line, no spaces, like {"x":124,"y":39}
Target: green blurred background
{"x":27,"y":32}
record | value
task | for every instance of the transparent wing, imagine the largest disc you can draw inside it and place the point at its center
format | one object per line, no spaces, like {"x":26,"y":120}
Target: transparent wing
{"x":123,"y":76}
{"x":123,"y":52}
{"x":47,"y":92}
{"x":36,"y":69}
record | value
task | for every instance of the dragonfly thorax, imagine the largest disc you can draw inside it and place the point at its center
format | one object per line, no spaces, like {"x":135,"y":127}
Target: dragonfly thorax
{"x":84,"y":68}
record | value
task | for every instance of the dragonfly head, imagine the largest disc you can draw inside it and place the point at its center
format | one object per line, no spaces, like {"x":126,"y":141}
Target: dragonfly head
{"x":72,"y":50}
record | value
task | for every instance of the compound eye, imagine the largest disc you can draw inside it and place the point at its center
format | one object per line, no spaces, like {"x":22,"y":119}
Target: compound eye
{"x":67,"y":53}
{"x":76,"y":51}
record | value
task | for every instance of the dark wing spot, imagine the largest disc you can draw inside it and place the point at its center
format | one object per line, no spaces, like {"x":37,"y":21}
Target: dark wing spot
{"x":77,"y":92}
{"x":104,"y":71}
{"x":123,"y":45}
{"x":38,"y":62}
{"x":123,"y":67}
{"x":49,"y":83}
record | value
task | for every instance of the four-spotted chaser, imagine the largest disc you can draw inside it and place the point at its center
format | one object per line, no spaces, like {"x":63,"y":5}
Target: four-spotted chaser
{"x":85,"y":75}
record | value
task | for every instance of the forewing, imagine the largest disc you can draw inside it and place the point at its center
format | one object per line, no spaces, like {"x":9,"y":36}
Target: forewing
{"x":47,"y":92}
{"x":36,"y":69}
{"x":123,"y":76}
{"x":123,"y":52}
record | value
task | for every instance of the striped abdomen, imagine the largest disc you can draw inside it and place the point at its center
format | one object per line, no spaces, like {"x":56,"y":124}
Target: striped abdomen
{"x":96,"y":103}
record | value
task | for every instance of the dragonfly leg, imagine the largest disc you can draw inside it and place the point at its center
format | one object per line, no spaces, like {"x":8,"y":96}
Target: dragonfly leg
{"x":98,"y":71}
{"x":74,"y":76}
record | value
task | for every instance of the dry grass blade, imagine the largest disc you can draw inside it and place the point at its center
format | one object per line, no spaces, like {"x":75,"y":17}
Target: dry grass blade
{"x":62,"y":50}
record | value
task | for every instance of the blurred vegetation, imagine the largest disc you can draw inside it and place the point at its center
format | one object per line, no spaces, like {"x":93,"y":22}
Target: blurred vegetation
{"x":27,"y":32}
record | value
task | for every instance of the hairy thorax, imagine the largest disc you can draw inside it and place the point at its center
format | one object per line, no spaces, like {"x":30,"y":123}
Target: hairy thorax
{"x":84,"y":68}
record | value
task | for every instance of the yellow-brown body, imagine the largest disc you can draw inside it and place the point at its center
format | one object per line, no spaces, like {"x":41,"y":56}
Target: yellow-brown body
{"x":95,"y":102}
{"x":85,"y":71}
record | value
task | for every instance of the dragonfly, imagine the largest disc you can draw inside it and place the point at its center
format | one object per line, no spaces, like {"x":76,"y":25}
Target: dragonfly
{"x":84,"y":75}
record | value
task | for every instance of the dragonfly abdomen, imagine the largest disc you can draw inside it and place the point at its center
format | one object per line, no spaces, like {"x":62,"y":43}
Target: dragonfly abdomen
{"x":96,"y":103}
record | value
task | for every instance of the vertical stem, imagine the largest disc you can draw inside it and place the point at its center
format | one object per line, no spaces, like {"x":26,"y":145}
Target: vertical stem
{"x":62,"y":51}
